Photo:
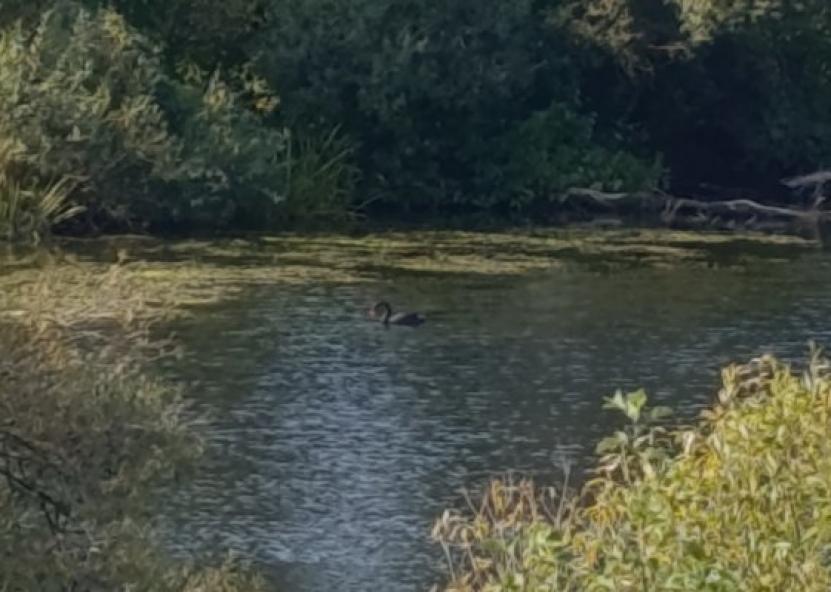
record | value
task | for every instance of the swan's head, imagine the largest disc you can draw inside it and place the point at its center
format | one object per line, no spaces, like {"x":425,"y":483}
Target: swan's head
{"x":380,"y":310}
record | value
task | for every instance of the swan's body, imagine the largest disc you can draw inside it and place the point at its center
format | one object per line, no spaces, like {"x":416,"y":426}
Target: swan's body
{"x":383,"y":312}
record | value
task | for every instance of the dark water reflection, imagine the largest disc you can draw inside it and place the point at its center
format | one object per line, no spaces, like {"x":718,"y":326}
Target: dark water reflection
{"x":334,"y":442}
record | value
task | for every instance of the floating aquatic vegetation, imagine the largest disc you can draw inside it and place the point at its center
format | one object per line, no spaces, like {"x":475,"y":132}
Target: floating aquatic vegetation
{"x":194,"y":272}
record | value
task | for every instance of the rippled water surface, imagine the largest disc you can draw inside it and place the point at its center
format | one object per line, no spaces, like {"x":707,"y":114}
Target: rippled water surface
{"x":334,"y":442}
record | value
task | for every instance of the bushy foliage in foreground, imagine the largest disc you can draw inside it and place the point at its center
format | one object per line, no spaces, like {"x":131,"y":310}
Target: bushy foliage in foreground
{"x":740,"y":501}
{"x":86,"y":439}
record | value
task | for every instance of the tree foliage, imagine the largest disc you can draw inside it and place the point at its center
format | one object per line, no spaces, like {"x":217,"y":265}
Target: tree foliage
{"x":190,"y":114}
{"x":731,"y":92}
{"x":438,"y":93}
{"x":85,"y":96}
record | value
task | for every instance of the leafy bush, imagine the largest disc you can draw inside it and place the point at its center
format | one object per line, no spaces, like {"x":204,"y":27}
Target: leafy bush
{"x":243,"y":160}
{"x":781,"y":59}
{"x":429,"y":89}
{"x":554,"y":150}
{"x":263,"y":177}
{"x":731,"y":93}
{"x":210,"y":32}
{"x":78,"y":94}
{"x":740,"y":501}
{"x":88,"y":98}
{"x":86,"y":438}
{"x":26,"y":10}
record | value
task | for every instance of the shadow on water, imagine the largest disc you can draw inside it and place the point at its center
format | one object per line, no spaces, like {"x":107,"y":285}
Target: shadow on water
{"x":334,"y":443}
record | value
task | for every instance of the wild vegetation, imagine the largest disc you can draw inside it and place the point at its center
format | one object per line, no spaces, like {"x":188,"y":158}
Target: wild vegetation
{"x":87,"y":438}
{"x":265,"y":114}
{"x":219,"y":115}
{"x":738,"y":501}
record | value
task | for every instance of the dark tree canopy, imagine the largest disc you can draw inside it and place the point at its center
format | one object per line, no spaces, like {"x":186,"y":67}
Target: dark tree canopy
{"x":272,"y":113}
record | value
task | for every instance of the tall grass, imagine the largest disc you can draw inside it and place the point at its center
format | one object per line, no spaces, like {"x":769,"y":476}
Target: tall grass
{"x":320,"y":176}
{"x":87,"y":437}
{"x":740,"y":501}
{"x":29,"y":209}
{"x":30,"y":213}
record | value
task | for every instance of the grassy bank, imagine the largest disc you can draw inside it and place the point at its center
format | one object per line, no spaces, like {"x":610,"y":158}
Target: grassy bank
{"x":87,"y":438}
{"x":741,"y":500}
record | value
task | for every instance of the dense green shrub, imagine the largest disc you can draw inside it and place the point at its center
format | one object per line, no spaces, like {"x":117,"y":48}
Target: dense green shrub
{"x":210,"y":32}
{"x":772,"y":86}
{"x":730,"y":92}
{"x":87,"y":98}
{"x":554,"y":150}
{"x":78,"y":95}
{"x":740,"y":501}
{"x":243,"y":161}
{"x":263,"y":176}
{"x":438,"y":94}
{"x":26,"y":10}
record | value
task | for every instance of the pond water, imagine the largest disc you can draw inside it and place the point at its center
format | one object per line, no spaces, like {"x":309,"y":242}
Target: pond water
{"x":334,"y":443}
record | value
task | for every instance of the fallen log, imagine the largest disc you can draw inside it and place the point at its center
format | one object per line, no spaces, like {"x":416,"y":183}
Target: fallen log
{"x":672,"y":204}
{"x":641,"y":201}
{"x":600,"y":197}
{"x":735,"y":206}
{"x":816,"y":180}
{"x":812,"y":221}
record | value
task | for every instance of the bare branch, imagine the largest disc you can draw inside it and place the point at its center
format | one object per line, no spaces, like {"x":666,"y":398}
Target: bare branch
{"x":740,"y":206}
{"x":818,"y":178}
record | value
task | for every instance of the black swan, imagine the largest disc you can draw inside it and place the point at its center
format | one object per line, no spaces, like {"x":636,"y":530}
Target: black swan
{"x":383,"y":312}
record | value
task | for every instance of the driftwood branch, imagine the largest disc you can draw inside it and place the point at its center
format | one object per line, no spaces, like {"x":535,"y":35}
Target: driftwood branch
{"x":734,"y":206}
{"x":611,"y":200}
{"x":600,"y":197}
{"x":670,"y":206}
{"x":806,"y":219}
{"x":816,"y":180}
